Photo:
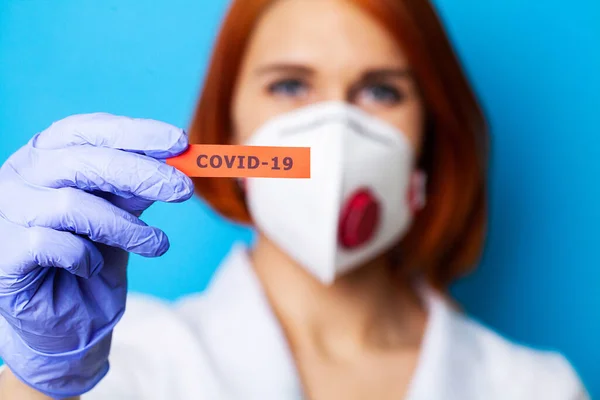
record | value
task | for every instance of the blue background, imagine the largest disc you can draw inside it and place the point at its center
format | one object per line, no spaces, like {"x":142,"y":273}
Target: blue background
{"x":534,"y":65}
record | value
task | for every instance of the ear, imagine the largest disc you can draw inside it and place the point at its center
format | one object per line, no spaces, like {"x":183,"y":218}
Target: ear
{"x":417,"y":192}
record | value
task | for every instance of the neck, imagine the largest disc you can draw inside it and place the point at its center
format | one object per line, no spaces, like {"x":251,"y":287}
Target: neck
{"x":367,"y":308}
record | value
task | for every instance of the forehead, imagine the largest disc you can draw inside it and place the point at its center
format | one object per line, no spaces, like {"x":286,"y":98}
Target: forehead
{"x":322,"y":32}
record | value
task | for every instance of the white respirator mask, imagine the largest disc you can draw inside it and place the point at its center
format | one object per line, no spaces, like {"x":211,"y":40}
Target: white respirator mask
{"x":354,"y":206}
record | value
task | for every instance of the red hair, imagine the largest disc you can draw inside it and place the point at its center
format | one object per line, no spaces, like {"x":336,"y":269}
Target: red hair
{"x":447,"y":237}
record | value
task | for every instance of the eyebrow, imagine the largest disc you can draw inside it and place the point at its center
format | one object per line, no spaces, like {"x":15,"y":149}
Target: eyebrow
{"x":281,"y":67}
{"x":371,"y":74}
{"x":376,"y":74}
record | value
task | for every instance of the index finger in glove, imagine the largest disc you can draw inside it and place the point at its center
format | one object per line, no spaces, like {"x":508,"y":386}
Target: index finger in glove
{"x":101,"y":169}
{"x":150,"y":137}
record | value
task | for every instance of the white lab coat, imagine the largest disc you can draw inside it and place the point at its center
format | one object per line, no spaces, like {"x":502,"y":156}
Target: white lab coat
{"x":225,"y":344}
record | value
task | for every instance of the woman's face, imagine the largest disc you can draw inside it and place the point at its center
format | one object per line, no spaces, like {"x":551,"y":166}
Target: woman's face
{"x":309,"y":51}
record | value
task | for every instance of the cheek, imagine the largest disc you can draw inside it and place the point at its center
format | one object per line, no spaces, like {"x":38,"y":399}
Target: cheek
{"x":410,"y":119}
{"x":244,"y":124}
{"x":251,"y":109}
{"x":245,"y":119}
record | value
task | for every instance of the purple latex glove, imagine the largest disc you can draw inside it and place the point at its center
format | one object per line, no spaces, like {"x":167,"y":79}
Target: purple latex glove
{"x":69,"y":206}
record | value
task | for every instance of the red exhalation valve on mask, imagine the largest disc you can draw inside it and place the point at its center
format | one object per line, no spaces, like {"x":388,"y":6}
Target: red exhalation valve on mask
{"x":359,"y":219}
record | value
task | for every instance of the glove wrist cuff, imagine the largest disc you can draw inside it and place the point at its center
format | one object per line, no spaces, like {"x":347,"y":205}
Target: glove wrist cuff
{"x":56,"y":375}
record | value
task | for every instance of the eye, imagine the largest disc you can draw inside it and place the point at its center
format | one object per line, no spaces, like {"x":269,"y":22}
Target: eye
{"x":288,"y":88}
{"x":382,"y":93}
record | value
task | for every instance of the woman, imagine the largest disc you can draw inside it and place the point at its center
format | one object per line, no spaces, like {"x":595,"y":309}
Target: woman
{"x":342,"y":295}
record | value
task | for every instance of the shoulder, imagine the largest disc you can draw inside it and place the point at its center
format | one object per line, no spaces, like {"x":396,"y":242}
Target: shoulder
{"x":513,"y":370}
{"x":148,"y":320}
{"x":163,"y":334}
{"x":200,"y":347}
{"x":155,"y":354}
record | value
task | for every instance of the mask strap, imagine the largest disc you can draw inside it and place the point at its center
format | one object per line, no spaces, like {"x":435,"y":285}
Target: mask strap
{"x":240,"y":184}
{"x":418,"y":191}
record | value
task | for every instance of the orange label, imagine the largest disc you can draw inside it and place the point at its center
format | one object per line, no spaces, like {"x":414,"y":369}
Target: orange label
{"x":229,"y":161}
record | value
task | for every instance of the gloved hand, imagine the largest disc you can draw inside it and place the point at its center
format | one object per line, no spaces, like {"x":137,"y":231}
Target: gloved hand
{"x":69,"y":206}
